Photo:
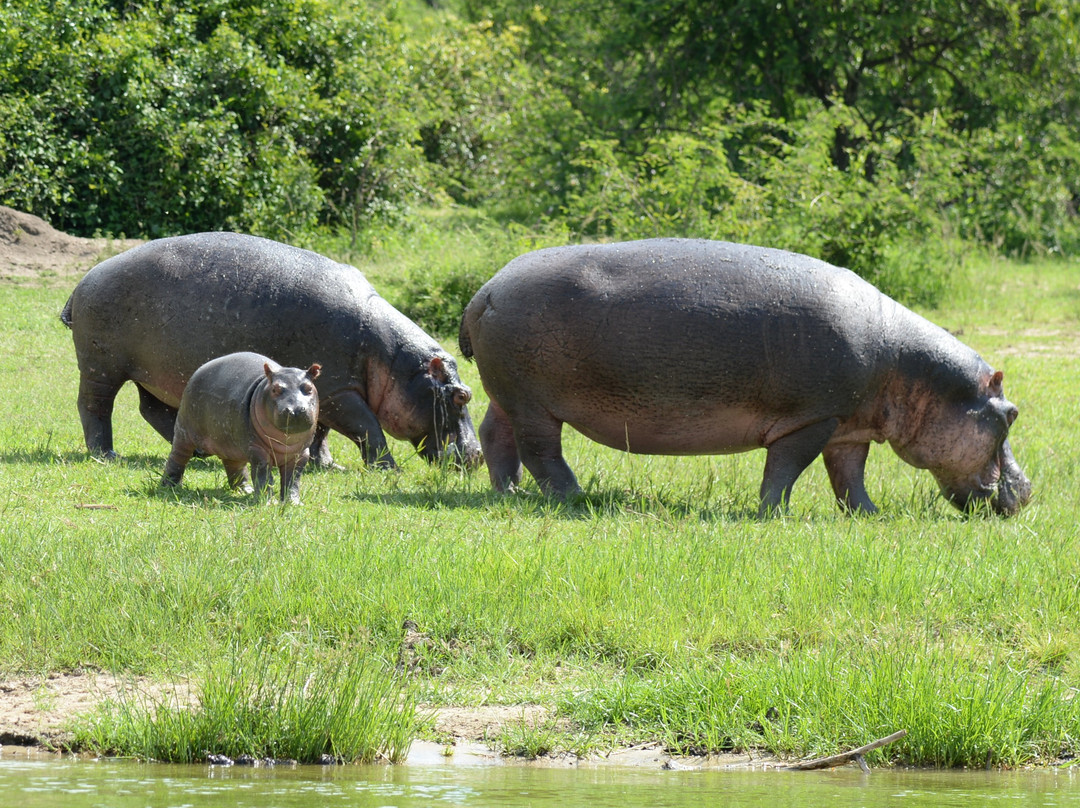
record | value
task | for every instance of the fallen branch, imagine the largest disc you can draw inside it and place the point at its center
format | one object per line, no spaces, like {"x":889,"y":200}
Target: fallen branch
{"x":847,"y":757}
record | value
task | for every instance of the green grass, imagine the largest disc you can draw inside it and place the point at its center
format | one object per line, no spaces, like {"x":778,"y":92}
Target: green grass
{"x":658,"y":609}
{"x":265,"y":707}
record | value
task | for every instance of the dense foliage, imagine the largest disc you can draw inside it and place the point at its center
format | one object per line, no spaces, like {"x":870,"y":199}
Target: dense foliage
{"x":160,"y":118}
{"x":875,"y":134}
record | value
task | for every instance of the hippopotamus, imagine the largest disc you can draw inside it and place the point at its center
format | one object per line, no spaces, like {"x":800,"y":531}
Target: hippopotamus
{"x":245,"y":408}
{"x":155,"y":313}
{"x":684,"y":347}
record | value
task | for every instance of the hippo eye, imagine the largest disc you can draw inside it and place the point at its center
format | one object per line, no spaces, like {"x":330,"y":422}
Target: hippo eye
{"x":277,"y":390}
{"x":307,"y":389}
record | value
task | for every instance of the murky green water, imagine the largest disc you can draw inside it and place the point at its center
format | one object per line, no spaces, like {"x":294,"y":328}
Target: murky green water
{"x":89,"y":784}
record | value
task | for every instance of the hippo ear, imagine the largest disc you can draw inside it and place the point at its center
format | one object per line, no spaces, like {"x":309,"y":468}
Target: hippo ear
{"x":266,"y":369}
{"x":314,"y":371}
{"x":995,"y":382}
{"x":436,"y":368}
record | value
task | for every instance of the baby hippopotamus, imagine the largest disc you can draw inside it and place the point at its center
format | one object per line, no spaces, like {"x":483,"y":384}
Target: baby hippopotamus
{"x":245,"y":408}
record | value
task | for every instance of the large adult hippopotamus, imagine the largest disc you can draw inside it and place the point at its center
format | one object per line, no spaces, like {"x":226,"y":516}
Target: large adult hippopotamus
{"x":157,"y":312}
{"x":672,"y":346}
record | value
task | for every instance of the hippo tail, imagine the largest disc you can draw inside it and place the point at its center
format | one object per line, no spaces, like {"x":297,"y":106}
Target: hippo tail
{"x":65,"y":315}
{"x":463,"y":340}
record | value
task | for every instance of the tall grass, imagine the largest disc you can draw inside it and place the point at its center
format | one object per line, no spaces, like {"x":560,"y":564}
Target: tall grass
{"x":658,"y":608}
{"x":259,"y":707}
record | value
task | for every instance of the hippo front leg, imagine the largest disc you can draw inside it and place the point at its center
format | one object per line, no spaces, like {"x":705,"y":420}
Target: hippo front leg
{"x":350,"y":415}
{"x":846,"y":464}
{"x":262,"y":479}
{"x":499,"y":448}
{"x":157,"y":413}
{"x":236,"y":472}
{"x":786,"y":459}
{"x":290,"y":480}
{"x":320,"y":450}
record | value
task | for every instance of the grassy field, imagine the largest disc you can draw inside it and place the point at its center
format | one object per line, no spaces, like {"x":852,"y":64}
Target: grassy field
{"x":659,"y":609}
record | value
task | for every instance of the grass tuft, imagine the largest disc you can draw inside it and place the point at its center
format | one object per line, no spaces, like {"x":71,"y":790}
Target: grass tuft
{"x":351,"y":711}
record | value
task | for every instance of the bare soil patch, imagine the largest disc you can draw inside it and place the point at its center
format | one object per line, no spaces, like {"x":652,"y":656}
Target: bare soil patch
{"x":31,"y":248}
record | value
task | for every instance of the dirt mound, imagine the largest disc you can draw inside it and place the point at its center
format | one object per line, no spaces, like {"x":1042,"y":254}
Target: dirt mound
{"x":31,"y":247}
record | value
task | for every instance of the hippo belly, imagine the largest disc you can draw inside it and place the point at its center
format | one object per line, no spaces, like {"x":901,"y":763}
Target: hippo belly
{"x":672,"y":346}
{"x":703,"y":431}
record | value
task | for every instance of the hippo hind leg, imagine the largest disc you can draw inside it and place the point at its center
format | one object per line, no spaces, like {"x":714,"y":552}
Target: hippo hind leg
{"x":95,"y":402}
{"x":539,"y":443}
{"x":157,"y":413}
{"x":499,"y":448}
{"x":179,"y":457}
{"x":787,"y":458}
{"x":846,"y":464}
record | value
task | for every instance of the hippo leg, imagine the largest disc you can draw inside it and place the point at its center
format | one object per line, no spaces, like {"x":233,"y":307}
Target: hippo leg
{"x":320,"y":450}
{"x":787,"y":458}
{"x":96,"y":397}
{"x":179,"y":457}
{"x":261,"y":477}
{"x":350,"y":415}
{"x":157,"y":413}
{"x":499,"y":448}
{"x":846,"y":464}
{"x":290,"y":481}
{"x":539,"y":444}
{"x":236,"y":472}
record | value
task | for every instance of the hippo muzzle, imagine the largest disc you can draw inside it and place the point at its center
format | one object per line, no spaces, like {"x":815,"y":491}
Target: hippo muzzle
{"x":451,"y":437}
{"x":1002,"y":485}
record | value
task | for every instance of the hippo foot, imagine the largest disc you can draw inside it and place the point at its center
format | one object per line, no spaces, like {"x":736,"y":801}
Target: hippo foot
{"x":315,"y":465}
{"x":105,"y":457}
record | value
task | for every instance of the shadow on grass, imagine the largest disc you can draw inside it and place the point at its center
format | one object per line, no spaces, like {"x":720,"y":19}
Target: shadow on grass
{"x":591,"y":505}
{"x":45,"y":456}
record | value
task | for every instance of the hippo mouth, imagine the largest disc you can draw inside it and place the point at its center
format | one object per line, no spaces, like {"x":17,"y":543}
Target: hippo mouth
{"x":1001,"y":484}
{"x":452,"y":437}
{"x":453,"y":450}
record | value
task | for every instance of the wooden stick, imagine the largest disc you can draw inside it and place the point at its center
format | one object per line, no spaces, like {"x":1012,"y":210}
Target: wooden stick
{"x":845,"y":757}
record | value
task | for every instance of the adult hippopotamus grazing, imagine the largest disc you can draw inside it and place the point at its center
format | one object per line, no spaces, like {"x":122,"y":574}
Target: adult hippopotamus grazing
{"x":672,"y":346}
{"x":157,"y":312}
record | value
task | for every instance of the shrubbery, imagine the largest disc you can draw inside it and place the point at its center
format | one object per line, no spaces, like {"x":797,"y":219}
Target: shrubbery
{"x":161,"y":118}
{"x":298,"y":118}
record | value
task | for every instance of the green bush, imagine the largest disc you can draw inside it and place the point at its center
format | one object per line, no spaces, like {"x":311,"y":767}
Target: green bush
{"x":173,"y":117}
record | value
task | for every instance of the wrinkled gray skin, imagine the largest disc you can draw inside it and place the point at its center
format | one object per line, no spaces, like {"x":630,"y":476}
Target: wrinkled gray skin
{"x":245,"y":408}
{"x":157,"y":312}
{"x":677,"y":347}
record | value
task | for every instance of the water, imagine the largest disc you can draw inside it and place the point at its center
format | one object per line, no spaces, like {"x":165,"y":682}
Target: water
{"x":70,"y":783}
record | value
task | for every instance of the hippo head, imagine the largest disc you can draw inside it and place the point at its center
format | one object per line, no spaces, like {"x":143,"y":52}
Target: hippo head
{"x":430,"y":410}
{"x":291,"y":402}
{"x":962,"y":438}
